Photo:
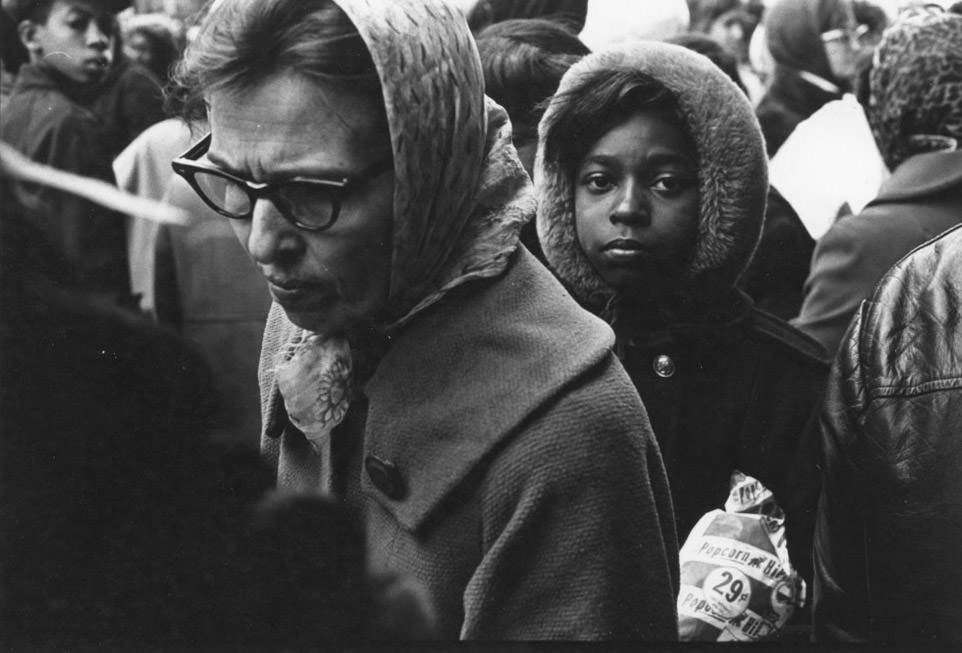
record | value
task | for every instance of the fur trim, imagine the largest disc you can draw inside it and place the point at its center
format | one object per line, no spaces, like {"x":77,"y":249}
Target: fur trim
{"x":732,"y":169}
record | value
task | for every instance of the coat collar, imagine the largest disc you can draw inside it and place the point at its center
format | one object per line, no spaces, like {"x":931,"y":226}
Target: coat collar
{"x":38,"y":77}
{"x":920,"y":175}
{"x":464,"y":376}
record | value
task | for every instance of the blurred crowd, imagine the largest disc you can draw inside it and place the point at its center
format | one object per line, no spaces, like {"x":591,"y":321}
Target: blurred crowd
{"x":480,"y":319}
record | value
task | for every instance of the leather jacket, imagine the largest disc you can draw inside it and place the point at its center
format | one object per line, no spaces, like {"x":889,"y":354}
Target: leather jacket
{"x":888,"y":538}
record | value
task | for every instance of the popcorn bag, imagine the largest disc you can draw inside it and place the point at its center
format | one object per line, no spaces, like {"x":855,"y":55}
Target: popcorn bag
{"x":737,"y":583}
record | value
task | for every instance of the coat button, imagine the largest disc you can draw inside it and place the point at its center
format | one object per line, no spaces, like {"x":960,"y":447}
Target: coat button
{"x":385,"y":476}
{"x":664,"y":366}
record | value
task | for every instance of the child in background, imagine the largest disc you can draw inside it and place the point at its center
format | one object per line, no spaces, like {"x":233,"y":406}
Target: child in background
{"x":70,"y":43}
{"x":651,"y":178}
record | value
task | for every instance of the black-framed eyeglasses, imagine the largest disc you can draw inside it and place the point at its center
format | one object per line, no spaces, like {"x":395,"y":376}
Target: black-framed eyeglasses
{"x":309,"y":204}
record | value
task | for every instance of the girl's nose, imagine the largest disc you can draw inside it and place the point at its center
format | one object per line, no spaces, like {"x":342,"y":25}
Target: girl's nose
{"x":632,"y":207}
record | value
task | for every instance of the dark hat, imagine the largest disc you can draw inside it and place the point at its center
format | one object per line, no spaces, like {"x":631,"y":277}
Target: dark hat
{"x":22,"y":9}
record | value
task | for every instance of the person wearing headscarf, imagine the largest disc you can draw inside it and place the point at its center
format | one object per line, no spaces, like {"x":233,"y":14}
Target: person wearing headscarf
{"x":813,"y":46}
{"x":417,"y":364}
{"x":651,"y":182}
{"x":915,"y":114}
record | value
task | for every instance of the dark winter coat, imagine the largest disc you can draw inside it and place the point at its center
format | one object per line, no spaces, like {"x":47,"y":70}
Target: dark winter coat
{"x":727,"y":387}
{"x":41,"y":120}
{"x":921,"y":199}
{"x":735,"y":390}
{"x":890,"y":518}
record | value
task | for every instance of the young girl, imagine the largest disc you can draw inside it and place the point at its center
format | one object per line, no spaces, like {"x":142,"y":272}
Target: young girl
{"x":651,"y":176}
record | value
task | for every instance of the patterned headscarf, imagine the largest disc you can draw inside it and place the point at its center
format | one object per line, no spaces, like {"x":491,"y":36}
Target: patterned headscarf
{"x":915,"y":87}
{"x":460,"y":192}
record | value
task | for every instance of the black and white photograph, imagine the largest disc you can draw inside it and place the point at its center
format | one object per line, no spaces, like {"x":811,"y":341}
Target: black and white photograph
{"x":413,"y":324}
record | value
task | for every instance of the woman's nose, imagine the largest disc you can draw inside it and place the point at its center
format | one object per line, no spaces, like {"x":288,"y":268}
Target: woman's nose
{"x":272,"y":240}
{"x":632,"y":207}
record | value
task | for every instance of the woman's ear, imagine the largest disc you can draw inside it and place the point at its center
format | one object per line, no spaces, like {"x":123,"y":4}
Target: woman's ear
{"x":27,"y":30}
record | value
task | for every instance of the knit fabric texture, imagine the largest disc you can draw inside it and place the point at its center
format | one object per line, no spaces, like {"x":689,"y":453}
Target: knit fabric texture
{"x":453,"y":222}
{"x":732,"y":168}
{"x":915,"y":87}
{"x":536,"y":504}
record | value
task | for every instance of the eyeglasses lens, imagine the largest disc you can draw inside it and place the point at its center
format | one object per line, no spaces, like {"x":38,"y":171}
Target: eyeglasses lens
{"x":308,"y":204}
{"x":225,"y":194}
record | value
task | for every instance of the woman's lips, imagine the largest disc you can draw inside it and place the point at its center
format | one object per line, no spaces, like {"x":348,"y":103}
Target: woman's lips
{"x":297,"y":294}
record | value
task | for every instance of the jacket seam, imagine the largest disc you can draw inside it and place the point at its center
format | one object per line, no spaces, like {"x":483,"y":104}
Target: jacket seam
{"x":928,"y":387}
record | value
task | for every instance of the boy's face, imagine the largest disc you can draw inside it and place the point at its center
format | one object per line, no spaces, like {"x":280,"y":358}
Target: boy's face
{"x":636,"y":204}
{"x":77,"y":40}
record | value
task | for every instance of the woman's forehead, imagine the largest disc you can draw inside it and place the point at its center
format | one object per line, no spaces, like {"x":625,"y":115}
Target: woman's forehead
{"x":288,"y":119}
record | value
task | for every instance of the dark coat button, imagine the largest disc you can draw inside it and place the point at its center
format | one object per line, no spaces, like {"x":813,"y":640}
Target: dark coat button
{"x":664,"y":366}
{"x":385,"y":476}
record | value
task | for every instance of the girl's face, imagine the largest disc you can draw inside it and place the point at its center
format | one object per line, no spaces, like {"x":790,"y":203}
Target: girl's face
{"x":636,"y":204}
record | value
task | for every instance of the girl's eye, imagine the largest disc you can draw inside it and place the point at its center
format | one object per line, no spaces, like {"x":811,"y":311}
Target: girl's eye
{"x":598,"y":182}
{"x":670,"y":184}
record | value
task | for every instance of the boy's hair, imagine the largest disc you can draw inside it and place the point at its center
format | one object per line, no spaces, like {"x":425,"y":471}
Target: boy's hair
{"x":524,"y":61}
{"x":600,"y":103}
{"x":38,"y":11}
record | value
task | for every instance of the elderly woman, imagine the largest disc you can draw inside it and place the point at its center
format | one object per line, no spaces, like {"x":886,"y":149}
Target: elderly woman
{"x":417,"y":363}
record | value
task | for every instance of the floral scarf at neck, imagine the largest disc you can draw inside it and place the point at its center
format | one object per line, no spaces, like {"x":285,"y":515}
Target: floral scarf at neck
{"x":314,"y":377}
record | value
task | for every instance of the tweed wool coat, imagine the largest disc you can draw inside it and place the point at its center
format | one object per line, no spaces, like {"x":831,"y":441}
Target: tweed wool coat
{"x":506,"y":462}
{"x":921,"y":199}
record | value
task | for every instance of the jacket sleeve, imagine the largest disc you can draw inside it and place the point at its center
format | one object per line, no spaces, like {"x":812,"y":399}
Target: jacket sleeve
{"x":840,"y":609}
{"x":577,"y":532}
{"x":848,"y":262}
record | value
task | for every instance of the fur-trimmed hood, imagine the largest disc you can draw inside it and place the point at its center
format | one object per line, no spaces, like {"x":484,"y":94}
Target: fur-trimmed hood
{"x":732,"y":169}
